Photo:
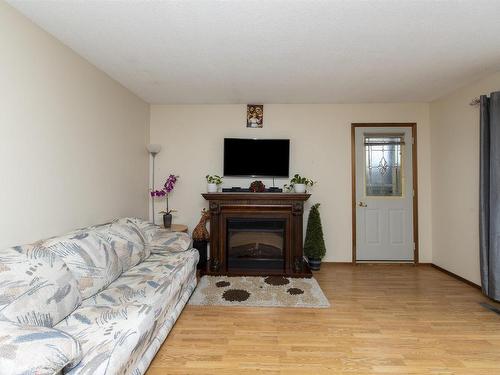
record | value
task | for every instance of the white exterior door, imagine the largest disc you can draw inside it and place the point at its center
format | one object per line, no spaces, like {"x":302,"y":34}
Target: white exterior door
{"x":384,"y":194}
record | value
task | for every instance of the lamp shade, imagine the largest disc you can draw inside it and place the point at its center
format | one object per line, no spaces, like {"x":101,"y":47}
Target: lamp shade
{"x":153,"y":148}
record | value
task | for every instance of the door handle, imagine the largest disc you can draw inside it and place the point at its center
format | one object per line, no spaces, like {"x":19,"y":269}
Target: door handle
{"x":362,"y":204}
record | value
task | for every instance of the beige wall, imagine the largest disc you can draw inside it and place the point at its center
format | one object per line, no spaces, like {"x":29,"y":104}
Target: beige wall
{"x":192,"y":140}
{"x":455,"y":179}
{"x":72,"y":151}
{"x":72,"y":140}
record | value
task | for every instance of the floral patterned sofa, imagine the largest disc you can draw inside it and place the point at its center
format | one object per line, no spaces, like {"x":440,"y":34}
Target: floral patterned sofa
{"x":99,"y":300}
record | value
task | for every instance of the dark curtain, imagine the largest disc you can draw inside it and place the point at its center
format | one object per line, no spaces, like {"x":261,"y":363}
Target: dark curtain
{"x":489,"y":195}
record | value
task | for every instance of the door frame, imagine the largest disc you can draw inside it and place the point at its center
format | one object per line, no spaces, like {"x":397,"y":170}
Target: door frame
{"x":413,"y":127}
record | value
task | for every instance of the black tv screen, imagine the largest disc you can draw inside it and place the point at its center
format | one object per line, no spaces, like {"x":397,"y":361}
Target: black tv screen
{"x":256,"y":157}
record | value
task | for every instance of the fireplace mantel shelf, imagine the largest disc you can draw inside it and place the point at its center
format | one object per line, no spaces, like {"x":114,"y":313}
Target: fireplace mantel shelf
{"x":256,"y":196}
{"x":244,"y":205}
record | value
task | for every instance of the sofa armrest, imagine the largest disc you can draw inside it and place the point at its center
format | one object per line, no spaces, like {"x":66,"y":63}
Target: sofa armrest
{"x":173,"y":242}
{"x":158,"y":240}
{"x":26,"y":349}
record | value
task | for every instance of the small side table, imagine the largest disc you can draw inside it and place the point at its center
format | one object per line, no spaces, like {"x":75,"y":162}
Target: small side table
{"x":178,"y":228}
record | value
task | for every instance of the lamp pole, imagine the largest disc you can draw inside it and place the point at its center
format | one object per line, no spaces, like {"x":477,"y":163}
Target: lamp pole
{"x":153,"y":150}
{"x":153,"y":154}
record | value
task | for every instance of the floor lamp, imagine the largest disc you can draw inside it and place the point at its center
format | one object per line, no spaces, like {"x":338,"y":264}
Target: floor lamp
{"x":153,"y":150}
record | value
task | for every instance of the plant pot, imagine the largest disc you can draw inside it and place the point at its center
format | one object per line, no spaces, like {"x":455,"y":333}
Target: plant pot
{"x":167,"y":221}
{"x":212,"y":188}
{"x":299,"y":188}
{"x":314,"y":264}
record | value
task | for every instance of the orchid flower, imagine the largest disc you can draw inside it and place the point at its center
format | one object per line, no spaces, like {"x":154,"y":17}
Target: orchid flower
{"x":168,"y":187}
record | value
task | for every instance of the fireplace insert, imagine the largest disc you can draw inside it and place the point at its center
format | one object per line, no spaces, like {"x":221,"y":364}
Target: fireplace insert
{"x":256,"y":243}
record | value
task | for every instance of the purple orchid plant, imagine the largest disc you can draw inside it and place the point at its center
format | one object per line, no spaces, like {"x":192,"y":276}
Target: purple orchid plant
{"x":165,"y":191}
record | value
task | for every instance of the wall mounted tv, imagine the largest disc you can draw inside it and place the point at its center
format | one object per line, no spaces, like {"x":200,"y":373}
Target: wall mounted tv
{"x":256,"y":157}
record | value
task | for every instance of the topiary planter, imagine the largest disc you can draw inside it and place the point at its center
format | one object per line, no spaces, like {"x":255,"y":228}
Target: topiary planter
{"x":314,"y":264}
{"x":314,"y":244}
{"x":299,"y":188}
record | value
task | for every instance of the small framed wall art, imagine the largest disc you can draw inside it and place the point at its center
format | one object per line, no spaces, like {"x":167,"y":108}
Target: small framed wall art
{"x":255,"y":115}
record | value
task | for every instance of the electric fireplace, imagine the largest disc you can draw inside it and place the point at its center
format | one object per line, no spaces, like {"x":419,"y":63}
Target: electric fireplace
{"x":256,"y":234}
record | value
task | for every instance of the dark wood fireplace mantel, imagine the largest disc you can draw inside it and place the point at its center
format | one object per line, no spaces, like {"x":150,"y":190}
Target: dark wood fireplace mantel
{"x":287,"y":207}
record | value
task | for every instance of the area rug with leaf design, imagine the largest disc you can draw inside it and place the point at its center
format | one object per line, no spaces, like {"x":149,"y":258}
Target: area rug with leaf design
{"x":271,"y":291}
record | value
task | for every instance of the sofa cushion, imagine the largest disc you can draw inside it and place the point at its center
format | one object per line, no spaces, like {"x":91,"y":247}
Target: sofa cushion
{"x":113,"y":338}
{"x":36,"y":350}
{"x":127,"y":241}
{"x":150,"y":282}
{"x":118,"y":325}
{"x":36,"y":286}
{"x":89,"y":257}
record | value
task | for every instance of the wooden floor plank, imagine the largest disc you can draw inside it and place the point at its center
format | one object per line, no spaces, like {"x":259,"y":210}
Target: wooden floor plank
{"x":384,"y":319}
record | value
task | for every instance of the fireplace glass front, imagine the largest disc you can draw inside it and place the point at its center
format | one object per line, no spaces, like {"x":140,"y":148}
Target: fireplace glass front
{"x":256,"y":244}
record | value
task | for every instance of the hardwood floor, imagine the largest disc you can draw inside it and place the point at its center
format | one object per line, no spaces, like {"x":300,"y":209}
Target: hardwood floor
{"x":384,"y":319}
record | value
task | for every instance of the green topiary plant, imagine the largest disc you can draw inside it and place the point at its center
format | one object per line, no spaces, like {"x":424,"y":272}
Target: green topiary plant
{"x":314,"y":244}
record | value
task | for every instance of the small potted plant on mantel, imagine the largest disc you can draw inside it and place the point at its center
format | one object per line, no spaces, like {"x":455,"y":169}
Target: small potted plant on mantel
{"x":299,"y":184}
{"x":213,"y":183}
{"x":314,"y":244}
{"x":164,"y":193}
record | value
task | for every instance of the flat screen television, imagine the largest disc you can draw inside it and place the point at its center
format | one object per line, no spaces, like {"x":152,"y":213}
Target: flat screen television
{"x":256,"y":157}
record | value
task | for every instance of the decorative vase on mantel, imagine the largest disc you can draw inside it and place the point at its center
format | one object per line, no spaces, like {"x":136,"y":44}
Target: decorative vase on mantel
{"x":299,"y":188}
{"x":167,"y":221}
{"x":212,"y":188}
{"x":299,"y":184}
{"x":213,"y":183}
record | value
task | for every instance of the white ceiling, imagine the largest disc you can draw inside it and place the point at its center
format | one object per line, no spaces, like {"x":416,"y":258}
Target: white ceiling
{"x":270,"y":51}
